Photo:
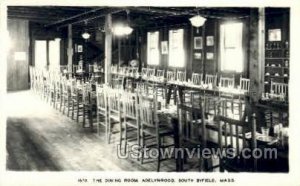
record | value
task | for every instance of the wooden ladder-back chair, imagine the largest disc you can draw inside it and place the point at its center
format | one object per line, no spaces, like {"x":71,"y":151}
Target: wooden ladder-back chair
{"x":192,"y":94}
{"x":226,"y":82}
{"x":233,"y":140}
{"x":244,"y":84}
{"x":196,"y":78}
{"x":210,"y":79}
{"x":171,"y":75}
{"x":150,"y":72}
{"x":131,"y":118}
{"x":152,"y":131}
{"x":160,"y":74}
{"x":114,"y":111}
{"x":181,"y":76}
{"x":192,"y":130}
{"x":102,"y":109}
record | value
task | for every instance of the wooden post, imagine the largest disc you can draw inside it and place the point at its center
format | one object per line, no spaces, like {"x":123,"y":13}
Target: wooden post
{"x":256,"y":52}
{"x":119,"y":52}
{"x":261,"y":49}
{"x":70,"y":48}
{"x":108,"y":47}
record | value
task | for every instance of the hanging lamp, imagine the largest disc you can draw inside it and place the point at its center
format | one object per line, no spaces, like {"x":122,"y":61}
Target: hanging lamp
{"x":85,"y":35}
{"x":197,"y":21}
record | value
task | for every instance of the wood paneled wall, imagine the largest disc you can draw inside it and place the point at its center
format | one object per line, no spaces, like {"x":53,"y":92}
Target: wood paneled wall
{"x":203,"y":65}
{"x":18,"y":68}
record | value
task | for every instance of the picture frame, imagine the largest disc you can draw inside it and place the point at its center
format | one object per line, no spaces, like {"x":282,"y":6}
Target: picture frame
{"x":274,"y":34}
{"x":197,"y":55}
{"x":198,"y":43}
{"x":210,"y":41}
{"x":79,"y":48}
{"x":209,"y":55}
{"x":164,"y":47}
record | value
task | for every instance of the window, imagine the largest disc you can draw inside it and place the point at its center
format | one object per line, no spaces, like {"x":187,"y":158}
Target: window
{"x":176,"y":49}
{"x":40,"y":58}
{"x":231,"y":47}
{"x":54,"y":53}
{"x":152,"y":48}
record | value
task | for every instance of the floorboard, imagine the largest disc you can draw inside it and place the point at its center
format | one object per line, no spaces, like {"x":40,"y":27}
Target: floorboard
{"x":40,"y":138}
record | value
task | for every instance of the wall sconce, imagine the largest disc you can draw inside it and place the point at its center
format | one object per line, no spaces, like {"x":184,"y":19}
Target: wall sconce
{"x":197,"y":21}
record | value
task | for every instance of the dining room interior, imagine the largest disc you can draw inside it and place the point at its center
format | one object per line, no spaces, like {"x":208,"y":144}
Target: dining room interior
{"x":138,"y":88}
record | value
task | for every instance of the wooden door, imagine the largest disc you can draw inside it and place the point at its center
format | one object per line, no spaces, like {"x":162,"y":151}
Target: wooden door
{"x":17,"y":59}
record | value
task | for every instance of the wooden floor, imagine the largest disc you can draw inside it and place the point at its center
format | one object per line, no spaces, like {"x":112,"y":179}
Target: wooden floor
{"x":40,"y":138}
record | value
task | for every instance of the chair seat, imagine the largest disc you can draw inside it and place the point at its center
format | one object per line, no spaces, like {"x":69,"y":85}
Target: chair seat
{"x":131,"y":122}
{"x":114,"y":116}
{"x":163,"y":130}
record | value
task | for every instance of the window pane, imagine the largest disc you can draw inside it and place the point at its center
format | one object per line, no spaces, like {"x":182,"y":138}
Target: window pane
{"x":231,"y":47}
{"x":176,"y":53}
{"x":152,"y":48}
{"x":54,"y":53}
{"x":40,"y":57}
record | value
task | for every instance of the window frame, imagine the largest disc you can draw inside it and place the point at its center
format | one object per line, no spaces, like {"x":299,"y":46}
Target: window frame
{"x":184,"y":64}
{"x":37,"y":50}
{"x":243,"y":49}
{"x":158,"y":49}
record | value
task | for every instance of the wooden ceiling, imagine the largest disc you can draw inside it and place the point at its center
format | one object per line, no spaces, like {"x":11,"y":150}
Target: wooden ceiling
{"x":93,"y":17}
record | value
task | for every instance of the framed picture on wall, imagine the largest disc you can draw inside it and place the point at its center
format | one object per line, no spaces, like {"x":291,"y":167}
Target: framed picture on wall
{"x":209,"y":55}
{"x":164,"y":47}
{"x":197,"y":55}
{"x":210,"y":41}
{"x":198,"y":43}
{"x":274,"y":34}
{"x":79,"y":48}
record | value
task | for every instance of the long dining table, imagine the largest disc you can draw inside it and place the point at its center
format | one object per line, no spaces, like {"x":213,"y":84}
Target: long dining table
{"x":170,"y":112}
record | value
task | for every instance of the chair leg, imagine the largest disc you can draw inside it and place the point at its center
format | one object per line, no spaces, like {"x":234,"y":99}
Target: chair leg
{"x":83,"y":115}
{"x":73,"y":110}
{"x":143,"y":147}
{"x":69,"y":106}
{"x":61,"y":103}
{"x":54,"y":99}
{"x":159,"y":154}
{"x":125,"y":138}
{"x":138,"y":139}
{"x":64,"y":105}
{"x":109,"y":131}
{"x":98,"y":121}
{"x":106,"y":131}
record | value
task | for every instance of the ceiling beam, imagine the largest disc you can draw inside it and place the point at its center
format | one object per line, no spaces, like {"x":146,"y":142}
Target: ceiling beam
{"x":92,"y":17}
{"x":162,"y":11}
{"x":72,"y":18}
{"x":33,"y":19}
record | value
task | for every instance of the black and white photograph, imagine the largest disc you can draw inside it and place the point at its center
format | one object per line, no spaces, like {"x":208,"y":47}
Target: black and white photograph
{"x":164,"y":47}
{"x":197,"y":55}
{"x":89,"y":88}
{"x":198,"y":43}
{"x":210,"y":41}
{"x":209,"y":55}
